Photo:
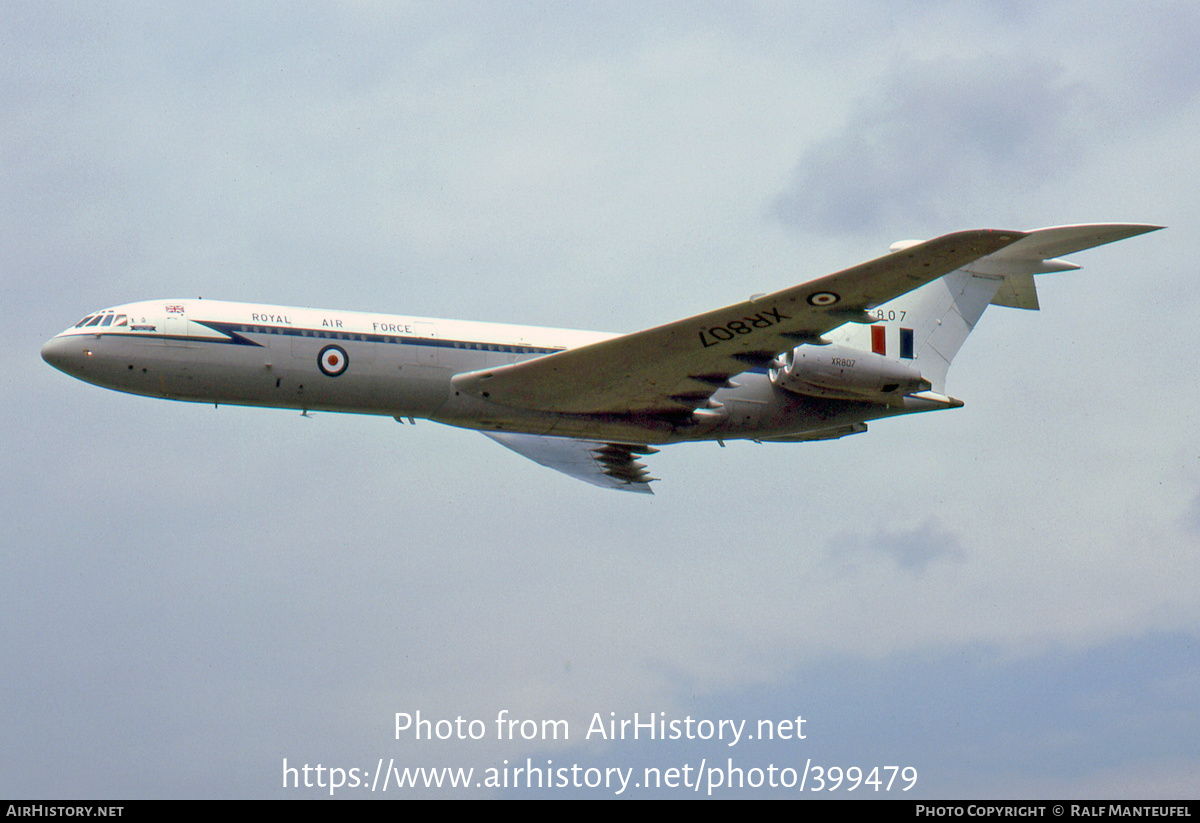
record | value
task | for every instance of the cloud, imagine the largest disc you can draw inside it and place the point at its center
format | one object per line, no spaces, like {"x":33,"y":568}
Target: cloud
{"x":1191,"y":518}
{"x":939,"y":133}
{"x":913,"y":549}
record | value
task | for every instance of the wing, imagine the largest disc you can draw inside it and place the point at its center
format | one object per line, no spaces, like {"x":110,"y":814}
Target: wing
{"x":671,"y":369}
{"x":611,"y":465}
{"x":1036,"y":251}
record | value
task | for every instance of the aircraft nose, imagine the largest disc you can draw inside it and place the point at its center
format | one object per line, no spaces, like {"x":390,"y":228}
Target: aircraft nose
{"x":62,"y":353}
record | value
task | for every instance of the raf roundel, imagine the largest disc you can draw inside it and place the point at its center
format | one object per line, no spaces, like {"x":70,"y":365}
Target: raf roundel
{"x":333,"y":360}
{"x":823,"y":298}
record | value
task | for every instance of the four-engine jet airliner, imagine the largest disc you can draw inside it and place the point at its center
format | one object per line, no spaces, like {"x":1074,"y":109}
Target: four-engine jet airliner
{"x":811,"y":362}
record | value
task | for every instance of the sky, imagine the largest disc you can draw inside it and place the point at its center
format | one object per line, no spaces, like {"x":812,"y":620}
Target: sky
{"x":1002,"y":598}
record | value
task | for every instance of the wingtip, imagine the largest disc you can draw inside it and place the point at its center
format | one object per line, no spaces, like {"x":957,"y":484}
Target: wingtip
{"x":1134,"y":229}
{"x":1124,"y":231}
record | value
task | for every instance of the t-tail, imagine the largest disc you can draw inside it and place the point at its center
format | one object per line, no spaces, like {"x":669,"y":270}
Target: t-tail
{"x":925,"y":328}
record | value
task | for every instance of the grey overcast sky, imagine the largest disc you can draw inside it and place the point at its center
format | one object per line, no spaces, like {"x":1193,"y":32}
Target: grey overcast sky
{"x":1003,"y":597}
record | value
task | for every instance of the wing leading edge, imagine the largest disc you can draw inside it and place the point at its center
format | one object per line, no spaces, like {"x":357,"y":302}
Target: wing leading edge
{"x":672,"y":369}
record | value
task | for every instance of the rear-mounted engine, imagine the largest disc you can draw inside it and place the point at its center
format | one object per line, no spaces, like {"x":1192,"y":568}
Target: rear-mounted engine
{"x":845,"y":373}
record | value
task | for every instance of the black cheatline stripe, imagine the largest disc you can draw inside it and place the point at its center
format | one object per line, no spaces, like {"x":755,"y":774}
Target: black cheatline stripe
{"x":233,"y":330}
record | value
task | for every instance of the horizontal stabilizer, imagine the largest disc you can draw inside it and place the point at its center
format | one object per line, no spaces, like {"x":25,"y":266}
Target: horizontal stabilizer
{"x":1018,"y":291}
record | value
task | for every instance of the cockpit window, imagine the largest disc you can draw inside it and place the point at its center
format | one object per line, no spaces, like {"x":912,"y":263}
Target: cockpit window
{"x":121,"y":320}
{"x":95,"y":320}
{"x":107,"y":321}
{"x":83,"y":321}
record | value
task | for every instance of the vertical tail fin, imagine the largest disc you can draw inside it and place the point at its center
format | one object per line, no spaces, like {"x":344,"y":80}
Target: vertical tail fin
{"x":926,"y":326}
{"x":930,"y":324}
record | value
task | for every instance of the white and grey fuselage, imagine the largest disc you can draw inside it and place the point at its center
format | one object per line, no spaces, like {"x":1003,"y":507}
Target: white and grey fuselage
{"x":210,"y":351}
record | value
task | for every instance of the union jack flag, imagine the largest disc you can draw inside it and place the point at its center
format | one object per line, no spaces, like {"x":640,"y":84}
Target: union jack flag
{"x":175,"y":309}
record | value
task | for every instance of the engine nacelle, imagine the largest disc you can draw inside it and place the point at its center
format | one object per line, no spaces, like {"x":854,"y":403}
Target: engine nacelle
{"x":846,"y":374}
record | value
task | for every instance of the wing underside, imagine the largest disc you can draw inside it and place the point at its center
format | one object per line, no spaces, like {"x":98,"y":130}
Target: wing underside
{"x":610,"y":465}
